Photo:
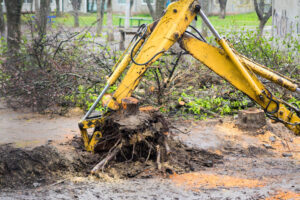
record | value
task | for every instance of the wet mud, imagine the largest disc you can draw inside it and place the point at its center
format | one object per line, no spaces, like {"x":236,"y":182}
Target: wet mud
{"x":209,"y":160}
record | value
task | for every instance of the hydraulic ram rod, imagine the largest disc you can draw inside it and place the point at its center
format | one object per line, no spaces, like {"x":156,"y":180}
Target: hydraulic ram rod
{"x":231,"y":55}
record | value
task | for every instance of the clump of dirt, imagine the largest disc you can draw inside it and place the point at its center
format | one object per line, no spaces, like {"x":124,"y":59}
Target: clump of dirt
{"x":19,"y":167}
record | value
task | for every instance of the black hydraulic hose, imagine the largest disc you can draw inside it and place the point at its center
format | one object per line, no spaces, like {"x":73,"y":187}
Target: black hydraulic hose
{"x":143,"y":36}
{"x":202,"y":38}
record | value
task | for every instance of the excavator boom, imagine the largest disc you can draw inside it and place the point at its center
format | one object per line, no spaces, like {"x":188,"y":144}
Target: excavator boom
{"x":155,"y":39}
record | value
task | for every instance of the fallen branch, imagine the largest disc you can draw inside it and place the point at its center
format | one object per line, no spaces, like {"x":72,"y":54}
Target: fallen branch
{"x":108,"y":158}
{"x":158,"y":157}
{"x":168,"y":150}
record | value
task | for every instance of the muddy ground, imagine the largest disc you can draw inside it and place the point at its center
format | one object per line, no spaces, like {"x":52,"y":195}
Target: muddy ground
{"x":249,"y":166}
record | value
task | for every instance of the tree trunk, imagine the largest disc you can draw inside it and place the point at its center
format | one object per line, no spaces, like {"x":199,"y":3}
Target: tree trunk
{"x":76,"y":7}
{"x":150,"y":9}
{"x":131,"y":5}
{"x":36,"y":7}
{"x":204,"y":7}
{"x":93,"y":4}
{"x":110,"y":33}
{"x":262,"y":24}
{"x":43,"y":17}
{"x":222,"y":8}
{"x":159,"y":8}
{"x":57,"y":8}
{"x":127,"y":14}
{"x":252,"y":120}
{"x":2,"y":23}
{"x":13,"y":12}
{"x":262,"y":13}
{"x":31,"y":7}
{"x":100,"y":14}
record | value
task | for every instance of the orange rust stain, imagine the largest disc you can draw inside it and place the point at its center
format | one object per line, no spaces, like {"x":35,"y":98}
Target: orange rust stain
{"x":285,"y":195}
{"x":198,"y":180}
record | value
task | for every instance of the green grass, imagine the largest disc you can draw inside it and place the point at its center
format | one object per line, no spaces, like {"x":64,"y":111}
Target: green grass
{"x":90,"y":19}
{"x":238,"y":21}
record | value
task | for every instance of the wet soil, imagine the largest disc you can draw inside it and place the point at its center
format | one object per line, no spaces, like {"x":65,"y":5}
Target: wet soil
{"x":263,"y":166}
{"x":25,"y":169}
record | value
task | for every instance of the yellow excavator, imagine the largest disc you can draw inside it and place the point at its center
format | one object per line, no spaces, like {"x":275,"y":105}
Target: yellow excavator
{"x":153,"y":40}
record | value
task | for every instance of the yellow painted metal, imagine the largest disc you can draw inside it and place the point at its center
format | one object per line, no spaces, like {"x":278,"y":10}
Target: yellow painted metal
{"x":90,"y":143}
{"x":123,"y":64}
{"x":118,"y":69}
{"x":244,"y":72}
{"x":169,"y":29}
{"x":218,"y":61}
{"x":262,"y":71}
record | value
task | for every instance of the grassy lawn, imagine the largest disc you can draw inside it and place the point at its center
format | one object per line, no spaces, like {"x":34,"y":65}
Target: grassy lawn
{"x":90,"y":19}
{"x":249,"y":20}
{"x":236,"y":21}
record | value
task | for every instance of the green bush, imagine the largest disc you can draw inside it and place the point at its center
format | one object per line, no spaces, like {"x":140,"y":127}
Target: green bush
{"x":282,"y":55}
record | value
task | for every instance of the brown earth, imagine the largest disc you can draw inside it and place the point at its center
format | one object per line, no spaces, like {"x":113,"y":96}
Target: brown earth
{"x":263,"y":166}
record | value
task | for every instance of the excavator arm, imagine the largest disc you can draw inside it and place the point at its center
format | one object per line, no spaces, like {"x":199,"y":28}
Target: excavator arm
{"x":155,"y":39}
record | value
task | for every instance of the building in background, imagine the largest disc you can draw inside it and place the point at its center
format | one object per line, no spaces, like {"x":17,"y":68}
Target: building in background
{"x":286,"y":18}
{"x":233,"y":6}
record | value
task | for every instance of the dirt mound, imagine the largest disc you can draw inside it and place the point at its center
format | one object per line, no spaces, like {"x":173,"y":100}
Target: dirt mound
{"x":19,"y":167}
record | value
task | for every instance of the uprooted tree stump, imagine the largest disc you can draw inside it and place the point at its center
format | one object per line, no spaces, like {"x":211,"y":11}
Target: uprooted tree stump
{"x":251,"y":119}
{"x":133,"y":134}
{"x":143,"y":135}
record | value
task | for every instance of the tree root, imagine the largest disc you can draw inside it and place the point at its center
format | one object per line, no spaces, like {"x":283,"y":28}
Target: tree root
{"x":108,"y":158}
{"x":141,"y":140}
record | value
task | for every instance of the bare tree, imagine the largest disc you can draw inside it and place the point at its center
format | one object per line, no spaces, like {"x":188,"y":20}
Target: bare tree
{"x":76,"y":4}
{"x":31,"y":7}
{"x":13,"y":12}
{"x":93,"y":4}
{"x":223,"y":4}
{"x":2,"y":22}
{"x":150,"y":7}
{"x":36,"y":6}
{"x":57,"y":8}
{"x":110,"y":33}
{"x":159,"y":8}
{"x":43,"y":17}
{"x":131,"y":5}
{"x":264,"y":12}
{"x":127,"y":14}
{"x":100,"y":15}
{"x":204,"y":7}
